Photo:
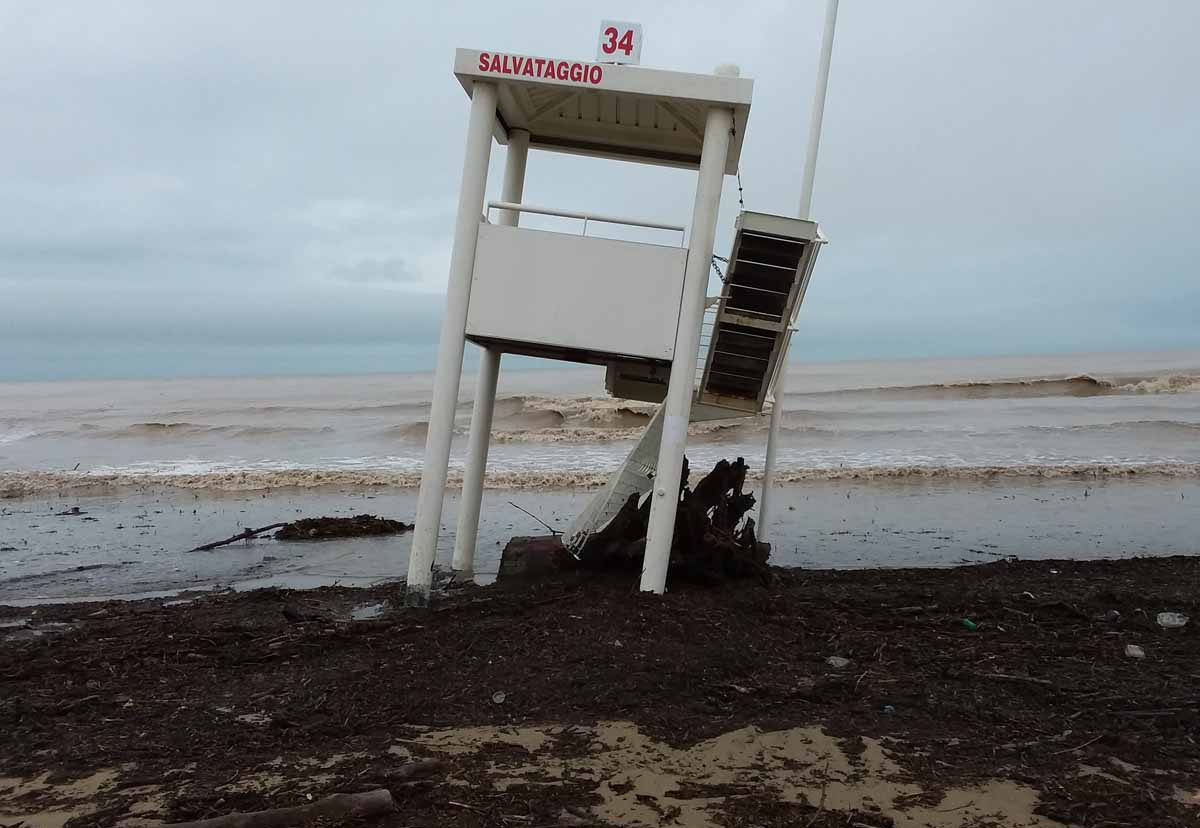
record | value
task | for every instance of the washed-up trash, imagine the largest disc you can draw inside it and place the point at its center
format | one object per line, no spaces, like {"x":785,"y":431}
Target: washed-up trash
{"x":1112,"y":616}
{"x":1171,"y":620}
{"x":498,"y":697}
{"x":1134,"y":651}
{"x":838,"y":663}
{"x":970,"y":625}
{"x":888,"y":709}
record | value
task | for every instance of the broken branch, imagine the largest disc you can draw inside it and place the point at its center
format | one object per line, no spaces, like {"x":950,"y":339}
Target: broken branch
{"x":337,"y":807}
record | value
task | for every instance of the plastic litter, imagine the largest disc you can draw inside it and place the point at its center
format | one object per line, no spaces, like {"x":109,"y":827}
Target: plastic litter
{"x":838,"y":663}
{"x":887,"y":708}
{"x":1112,"y":616}
{"x":498,"y":697}
{"x":1134,"y":651}
{"x":1171,"y":620}
{"x":970,"y":625}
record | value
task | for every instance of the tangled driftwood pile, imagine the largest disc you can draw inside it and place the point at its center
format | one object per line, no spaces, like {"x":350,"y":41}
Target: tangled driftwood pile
{"x":711,"y":540}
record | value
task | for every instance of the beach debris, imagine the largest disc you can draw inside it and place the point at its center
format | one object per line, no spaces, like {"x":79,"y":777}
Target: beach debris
{"x":498,"y":697}
{"x":336,"y":808}
{"x":341,"y":527}
{"x":888,"y":709}
{"x":72,"y":512}
{"x":970,"y":625}
{"x":838,"y":663}
{"x":1172,"y":620}
{"x":321,"y":528}
{"x":531,"y":556}
{"x":1112,"y":616}
{"x":246,"y":534}
{"x":1134,"y":651}
{"x":368,"y":611}
{"x":295,"y":615}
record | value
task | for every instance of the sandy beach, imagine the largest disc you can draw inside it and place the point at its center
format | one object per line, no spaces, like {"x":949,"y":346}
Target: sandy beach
{"x":995,"y":694}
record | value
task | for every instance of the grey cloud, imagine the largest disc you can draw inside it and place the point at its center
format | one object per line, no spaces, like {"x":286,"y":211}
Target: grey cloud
{"x":283,"y":177}
{"x":377,"y":271}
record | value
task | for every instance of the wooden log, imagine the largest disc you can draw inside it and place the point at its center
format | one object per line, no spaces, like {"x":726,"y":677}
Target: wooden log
{"x":243,"y":535}
{"x":335,"y":808}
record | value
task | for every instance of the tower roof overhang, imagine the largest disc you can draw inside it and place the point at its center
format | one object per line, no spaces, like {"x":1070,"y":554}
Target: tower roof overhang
{"x":629,"y":113}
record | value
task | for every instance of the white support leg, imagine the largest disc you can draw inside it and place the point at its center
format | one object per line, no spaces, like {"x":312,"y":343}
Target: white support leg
{"x":678,"y":405}
{"x":485,"y":387}
{"x":806,"y":194}
{"x":452,"y":343}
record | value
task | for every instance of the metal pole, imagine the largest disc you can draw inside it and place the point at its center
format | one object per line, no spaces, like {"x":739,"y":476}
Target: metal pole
{"x":452,"y":343}
{"x":680,"y":390}
{"x":806,"y":194}
{"x":485,"y":387}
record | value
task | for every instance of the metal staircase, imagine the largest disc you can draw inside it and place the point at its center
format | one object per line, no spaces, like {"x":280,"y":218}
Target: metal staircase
{"x":744,"y":345}
{"x":769,"y":269}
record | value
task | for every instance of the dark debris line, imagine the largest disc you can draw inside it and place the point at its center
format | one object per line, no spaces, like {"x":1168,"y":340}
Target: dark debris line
{"x":1041,"y":687}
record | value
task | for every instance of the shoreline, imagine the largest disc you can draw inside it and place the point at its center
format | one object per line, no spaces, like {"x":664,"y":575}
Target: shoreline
{"x":135,"y":542}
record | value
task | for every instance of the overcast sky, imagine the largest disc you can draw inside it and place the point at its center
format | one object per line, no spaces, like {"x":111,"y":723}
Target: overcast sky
{"x":252,"y":188}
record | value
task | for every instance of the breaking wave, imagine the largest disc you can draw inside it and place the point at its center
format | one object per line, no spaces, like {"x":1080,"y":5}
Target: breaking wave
{"x":20,"y":484}
{"x":172,"y":430}
{"x":1082,"y":385}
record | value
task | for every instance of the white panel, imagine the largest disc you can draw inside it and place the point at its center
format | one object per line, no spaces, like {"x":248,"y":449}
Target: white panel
{"x":593,"y":295}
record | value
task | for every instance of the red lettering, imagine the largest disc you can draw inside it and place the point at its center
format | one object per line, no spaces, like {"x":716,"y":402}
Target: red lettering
{"x":541,"y":68}
{"x":626,"y":42}
{"x":611,"y":45}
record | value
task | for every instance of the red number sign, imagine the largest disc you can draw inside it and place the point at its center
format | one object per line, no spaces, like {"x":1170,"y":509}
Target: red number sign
{"x":620,"y":42}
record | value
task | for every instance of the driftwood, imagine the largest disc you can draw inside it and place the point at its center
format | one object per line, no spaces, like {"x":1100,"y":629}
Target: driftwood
{"x":335,"y":808}
{"x":713,"y":537}
{"x":359,"y":526}
{"x":244,"y":535}
{"x":413,"y":770}
{"x":319,"y":529}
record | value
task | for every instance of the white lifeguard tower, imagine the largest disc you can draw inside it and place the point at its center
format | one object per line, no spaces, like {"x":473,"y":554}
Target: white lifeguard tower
{"x":637,"y":308}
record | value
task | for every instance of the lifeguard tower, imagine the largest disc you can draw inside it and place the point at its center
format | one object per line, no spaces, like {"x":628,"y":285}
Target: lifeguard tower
{"x":638,"y":308}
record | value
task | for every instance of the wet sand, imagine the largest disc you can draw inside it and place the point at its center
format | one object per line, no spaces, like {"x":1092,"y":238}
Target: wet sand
{"x":133,"y":543}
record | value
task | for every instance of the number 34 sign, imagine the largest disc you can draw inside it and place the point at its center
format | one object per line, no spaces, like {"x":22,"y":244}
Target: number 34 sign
{"x":620,"y":42}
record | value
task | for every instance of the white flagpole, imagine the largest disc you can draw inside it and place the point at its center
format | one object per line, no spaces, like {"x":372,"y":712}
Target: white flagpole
{"x":806,"y":193}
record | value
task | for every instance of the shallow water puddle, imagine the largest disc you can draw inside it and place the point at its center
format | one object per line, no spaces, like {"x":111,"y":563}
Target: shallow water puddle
{"x":640,"y":778}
